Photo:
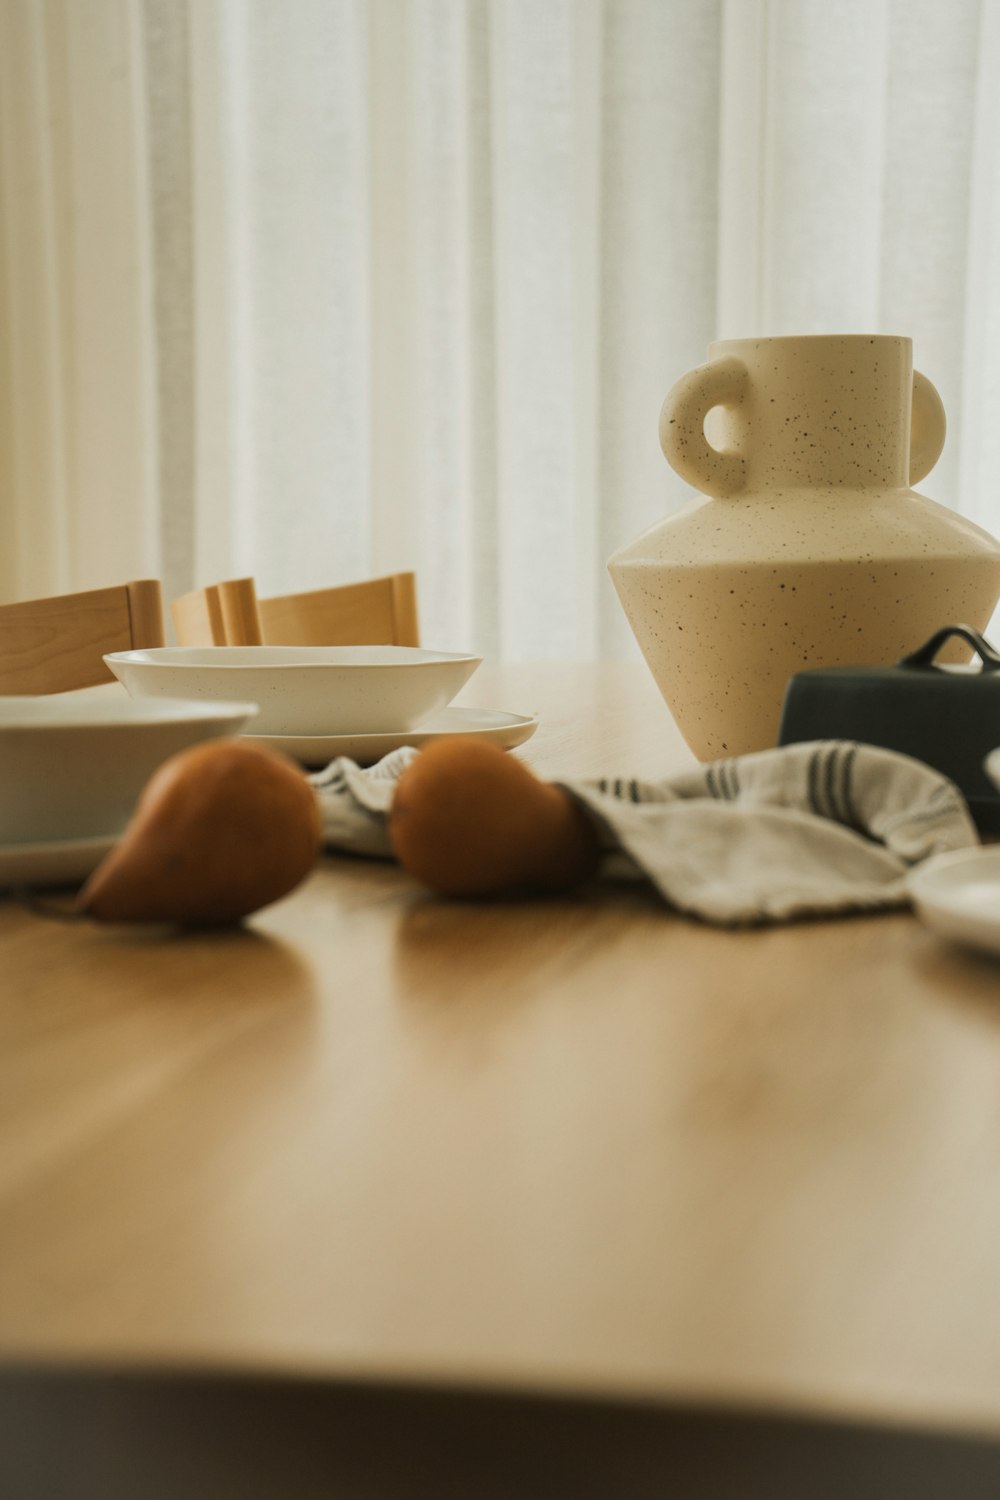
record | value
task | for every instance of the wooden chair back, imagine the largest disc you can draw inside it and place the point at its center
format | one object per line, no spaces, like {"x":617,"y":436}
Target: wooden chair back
{"x":223,"y":614}
{"x":377,"y":612}
{"x":55,"y":645}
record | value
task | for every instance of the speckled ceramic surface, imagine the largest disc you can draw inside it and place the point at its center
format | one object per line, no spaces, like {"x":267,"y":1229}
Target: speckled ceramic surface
{"x":811,"y":549}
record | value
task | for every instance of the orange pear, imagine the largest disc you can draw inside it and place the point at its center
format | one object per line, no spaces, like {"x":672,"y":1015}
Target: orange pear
{"x":219,"y":831}
{"x":469,"y":820}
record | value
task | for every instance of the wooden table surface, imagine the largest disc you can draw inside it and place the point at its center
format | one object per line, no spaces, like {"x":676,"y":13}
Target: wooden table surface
{"x":582,"y":1145}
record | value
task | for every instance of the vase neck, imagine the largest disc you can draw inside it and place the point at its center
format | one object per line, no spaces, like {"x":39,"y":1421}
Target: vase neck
{"x":820,"y":412}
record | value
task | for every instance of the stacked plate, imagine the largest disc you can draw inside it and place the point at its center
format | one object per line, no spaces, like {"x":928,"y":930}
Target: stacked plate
{"x":958,"y":894}
{"x":318,"y":702}
{"x":72,"y":767}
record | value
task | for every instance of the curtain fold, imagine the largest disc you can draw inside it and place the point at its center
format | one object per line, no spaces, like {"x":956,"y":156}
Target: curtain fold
{"x":319,"y":290}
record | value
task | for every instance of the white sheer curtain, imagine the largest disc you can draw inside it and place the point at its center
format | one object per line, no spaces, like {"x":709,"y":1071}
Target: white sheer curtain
{"x":319,"y":288}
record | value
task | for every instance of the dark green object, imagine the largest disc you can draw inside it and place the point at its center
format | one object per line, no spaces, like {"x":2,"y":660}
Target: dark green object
{"x":948,"y":717}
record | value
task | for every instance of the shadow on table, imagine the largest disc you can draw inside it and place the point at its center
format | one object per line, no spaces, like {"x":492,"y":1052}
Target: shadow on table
{"x":442,"y":947}
{"x":961,"y":976}
{"x":73,"y":1435}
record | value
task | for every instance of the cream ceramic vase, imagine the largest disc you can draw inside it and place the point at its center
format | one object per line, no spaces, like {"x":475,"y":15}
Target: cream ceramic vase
{"x":810,"y":549}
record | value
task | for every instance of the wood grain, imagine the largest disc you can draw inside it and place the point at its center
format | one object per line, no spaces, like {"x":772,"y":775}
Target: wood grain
{"x":197,"y":618}
{"x":576,"y":1145}
{"x":377,"y":611}
{"x":57,"y":645}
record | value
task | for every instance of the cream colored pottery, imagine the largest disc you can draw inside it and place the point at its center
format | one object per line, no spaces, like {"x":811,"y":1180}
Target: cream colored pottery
{"x":810,"y":549}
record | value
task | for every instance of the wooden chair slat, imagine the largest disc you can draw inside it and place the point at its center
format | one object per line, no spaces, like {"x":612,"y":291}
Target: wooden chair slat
{"x":56,"y":644}
{"x":375,"y":612}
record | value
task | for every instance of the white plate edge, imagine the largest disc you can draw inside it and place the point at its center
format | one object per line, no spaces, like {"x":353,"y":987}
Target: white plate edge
{"x":512,"y":721}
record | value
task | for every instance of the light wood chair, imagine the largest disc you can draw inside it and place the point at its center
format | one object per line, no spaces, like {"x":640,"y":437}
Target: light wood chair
{"x":55,"y":645}
{"x":223,"y":614}
{"x":377,"y":612}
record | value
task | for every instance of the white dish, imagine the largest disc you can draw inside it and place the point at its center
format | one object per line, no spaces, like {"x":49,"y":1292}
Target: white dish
{"x":54,"y":863}
{"x":959,"y":896}
{"x":72,"y":767}
{"x":992,"y":766}
{"x":305,"y":690}
{"x":506,"y":730}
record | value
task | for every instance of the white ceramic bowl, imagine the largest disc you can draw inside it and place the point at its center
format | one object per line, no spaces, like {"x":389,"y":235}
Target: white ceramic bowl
{"x":958,"y":894}
{"x":992,"y":766}
{"x":304,"y":690}
{"x":72,"y":768}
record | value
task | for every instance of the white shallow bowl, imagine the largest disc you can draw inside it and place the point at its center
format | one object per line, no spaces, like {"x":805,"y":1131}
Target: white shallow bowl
{"x":72,"y":768}
{"x":305,"y":689}
{"x":958,"y":895}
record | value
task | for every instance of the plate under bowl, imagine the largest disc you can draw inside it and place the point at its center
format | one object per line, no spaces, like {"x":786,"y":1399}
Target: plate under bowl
{"x":958,"y":895}
{"x":305,"y":690}
{"x":991,"y":765}
{"x":504,"y":729}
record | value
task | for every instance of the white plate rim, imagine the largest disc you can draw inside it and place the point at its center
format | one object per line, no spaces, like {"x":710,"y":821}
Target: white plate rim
{"x":101,"y":714}
{"x":509,"y":728}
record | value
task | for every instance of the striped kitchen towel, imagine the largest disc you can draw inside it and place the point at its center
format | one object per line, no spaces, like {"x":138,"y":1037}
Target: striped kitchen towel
{"x":806,"y":829}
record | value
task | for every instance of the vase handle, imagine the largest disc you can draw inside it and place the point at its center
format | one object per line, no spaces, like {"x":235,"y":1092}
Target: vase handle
{"x":927,"y":428}
{"x":722,"y":382}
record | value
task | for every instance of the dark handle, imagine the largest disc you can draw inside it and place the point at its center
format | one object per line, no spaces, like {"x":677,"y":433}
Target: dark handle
{"x":925,"y":654}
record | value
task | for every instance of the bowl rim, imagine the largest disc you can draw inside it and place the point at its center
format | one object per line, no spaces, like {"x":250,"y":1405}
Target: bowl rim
{"x":123,"y":713}
{"x":423,"y":657}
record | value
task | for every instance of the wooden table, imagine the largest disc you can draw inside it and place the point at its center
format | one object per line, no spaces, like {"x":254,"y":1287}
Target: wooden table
{"x":582,"y":1147}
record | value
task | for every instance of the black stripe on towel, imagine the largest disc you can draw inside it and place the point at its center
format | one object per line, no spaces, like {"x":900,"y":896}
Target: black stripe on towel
{"x":847,"y":787}
{"x":732,"y":781}
{"x":829,"y":783}
{"x":814,"y":761}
